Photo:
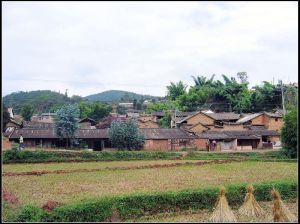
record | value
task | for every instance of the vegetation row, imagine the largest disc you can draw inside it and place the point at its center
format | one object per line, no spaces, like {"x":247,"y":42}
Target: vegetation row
{"x":40,"y":156}
{"x":137,"y":205}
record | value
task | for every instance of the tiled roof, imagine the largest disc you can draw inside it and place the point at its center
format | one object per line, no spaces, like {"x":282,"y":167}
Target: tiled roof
{"x":158,"y":113}
{"x":223,"y":116}
{"x":37,"y":125}
{"x":273,"y":114}
{"x":87,"y":119}
{"x":106,"y":122}
{"x":248,"y":117}
{"x":216,"y":116}
{"x":50,"y":133}
{"x":165,"y":133}
{"x":249,"y":134}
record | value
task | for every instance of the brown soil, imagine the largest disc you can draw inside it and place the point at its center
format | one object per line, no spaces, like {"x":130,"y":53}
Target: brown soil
{"x":199,"y":163}
{"x":9,"y":198}
{"x":50,"y":205}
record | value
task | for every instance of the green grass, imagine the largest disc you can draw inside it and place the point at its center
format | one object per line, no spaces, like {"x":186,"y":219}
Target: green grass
{"x":39,"y":156}
{"x":273,"y":155}
{"x":71,"y":187}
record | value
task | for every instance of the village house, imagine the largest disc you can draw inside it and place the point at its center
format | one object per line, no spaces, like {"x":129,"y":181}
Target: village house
{"x":169,"y":139}
{"x":106,"y":122}
{"x":271,"y":121}
{"x":44,"y":117}
{"x":156,"y":116}
{"x":87,"y":123}
{"x":201,"y":121}
{"x":177,"y":116}
{"x":146,"y":121}
{"x":96,"y":139}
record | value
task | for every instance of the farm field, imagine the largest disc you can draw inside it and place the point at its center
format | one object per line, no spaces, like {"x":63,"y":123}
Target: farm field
{"x":203,"y":215}
{"x":76,"y":186}
{"x":87,"y":165}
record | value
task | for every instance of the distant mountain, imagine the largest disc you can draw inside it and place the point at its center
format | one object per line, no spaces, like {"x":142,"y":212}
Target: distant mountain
{"x":118,"y":96}
{"x":41,"y":100}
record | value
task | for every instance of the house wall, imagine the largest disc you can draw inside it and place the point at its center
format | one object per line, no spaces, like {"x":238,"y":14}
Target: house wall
{"x":158,"y":145}
{"x":199,"y":128}
{"x":200,"y":143}
{"x":275,"y":125}
{"x":260,"y":120}
{"x":276,"y":140}
{"x":200,"y":118}
{"x":228,"y":145}
{"x":85,"y":125}
{"x":244,"y":148}
{"x":235,"y":127}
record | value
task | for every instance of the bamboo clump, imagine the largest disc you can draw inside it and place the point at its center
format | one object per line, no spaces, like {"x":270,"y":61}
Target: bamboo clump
{"x":250,"y":207}
{"x":280,"y":212}
{"x":222,"y":212}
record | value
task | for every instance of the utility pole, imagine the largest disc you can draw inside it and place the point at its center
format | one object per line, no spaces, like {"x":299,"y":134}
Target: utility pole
{"x":283,"y":107}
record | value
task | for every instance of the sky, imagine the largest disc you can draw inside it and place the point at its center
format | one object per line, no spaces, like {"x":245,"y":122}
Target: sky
{"x":91,"y":47}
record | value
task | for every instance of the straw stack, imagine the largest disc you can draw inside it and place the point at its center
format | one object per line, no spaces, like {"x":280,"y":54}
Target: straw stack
{"x":250,"y":206}
{"x":280,"y":212}
{"x":222,"y":212}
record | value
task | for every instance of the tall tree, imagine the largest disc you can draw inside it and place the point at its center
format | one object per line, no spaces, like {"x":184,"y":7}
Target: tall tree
{"x":176,"y":89}
{"x":27,"y":112}
{"x":289,"y":135}
{"x":66,"y":123}
{"x":125,"y":135}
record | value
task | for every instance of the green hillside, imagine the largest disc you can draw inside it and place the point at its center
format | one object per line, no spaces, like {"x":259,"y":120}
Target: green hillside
{"x":41,"y":100}
{"x":118,"y":96}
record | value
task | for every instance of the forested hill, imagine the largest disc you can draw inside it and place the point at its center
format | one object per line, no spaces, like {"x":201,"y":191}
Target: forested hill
{"x":41,"y":100}
{"x":118,"y":96}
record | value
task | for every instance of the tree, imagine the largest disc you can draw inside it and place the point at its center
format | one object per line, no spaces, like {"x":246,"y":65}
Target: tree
{"x":176,"y":89}
{"x":125,"y":135}
{"x":243,"y":77}
{"x":165,"y":121}
{"x":27,"y":112}
{"x":66,"y":122}
{"x":121,"y":109}
{"x":99,"y":110}
{"x":289,"y":135}
{"x":201,"y":80}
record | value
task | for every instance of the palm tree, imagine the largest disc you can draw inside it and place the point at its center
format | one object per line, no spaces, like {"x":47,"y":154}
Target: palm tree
{"x":201,"y":80}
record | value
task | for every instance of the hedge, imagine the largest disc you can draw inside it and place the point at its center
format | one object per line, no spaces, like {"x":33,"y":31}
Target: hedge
{"x":136,"y":205}
{"x":40,"y":156}
{"x":17,"y":156}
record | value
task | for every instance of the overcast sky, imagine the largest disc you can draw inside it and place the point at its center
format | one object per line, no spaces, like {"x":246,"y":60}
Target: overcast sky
{"x":90,"y":47}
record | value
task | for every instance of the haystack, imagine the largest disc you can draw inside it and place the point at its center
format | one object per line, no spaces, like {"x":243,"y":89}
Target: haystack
{"x":250,"y":206}
{"x":280,"y":212}
{"x":222,"y":212}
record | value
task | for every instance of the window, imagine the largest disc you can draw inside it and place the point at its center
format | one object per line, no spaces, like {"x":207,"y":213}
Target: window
{"x":276,"y":119}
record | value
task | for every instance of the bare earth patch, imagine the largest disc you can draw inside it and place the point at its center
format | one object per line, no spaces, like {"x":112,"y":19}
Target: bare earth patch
{"x":9,"y":198}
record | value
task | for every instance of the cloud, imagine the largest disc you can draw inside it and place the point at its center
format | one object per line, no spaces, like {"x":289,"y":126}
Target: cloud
{"x":89,"y":47}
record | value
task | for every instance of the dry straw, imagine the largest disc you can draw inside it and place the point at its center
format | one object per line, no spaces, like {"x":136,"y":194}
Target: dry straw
{"x":250,"y":206}
{"x":280,"y":212}
{"x":222,"y":212}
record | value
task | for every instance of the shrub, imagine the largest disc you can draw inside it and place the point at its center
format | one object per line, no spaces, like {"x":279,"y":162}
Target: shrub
{"x":30,"y":213}
{"x":136,"y":205}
